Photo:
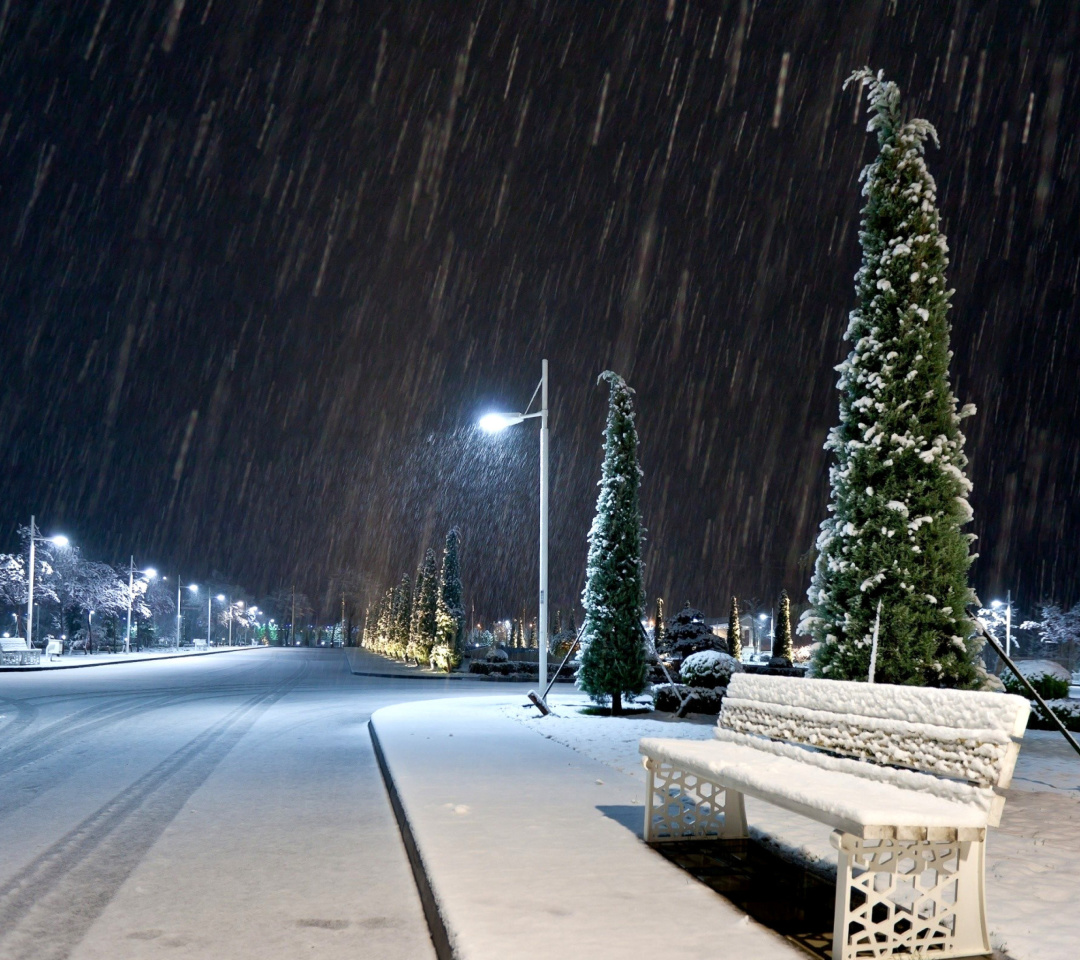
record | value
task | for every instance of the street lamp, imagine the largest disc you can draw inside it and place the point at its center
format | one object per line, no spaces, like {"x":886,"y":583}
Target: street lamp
{"x":495,"y":423}
{"x":210,"y":598}
{"x":194,"y":588}
{"x":763,"y":617}
{"x":996,"y":604}
{"x":149,"y":573}
{"x":57,"y":541}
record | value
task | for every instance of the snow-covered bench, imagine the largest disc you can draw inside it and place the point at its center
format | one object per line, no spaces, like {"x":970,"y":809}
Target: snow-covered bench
{"x":15,"y":653}
{"x":909,"y":778}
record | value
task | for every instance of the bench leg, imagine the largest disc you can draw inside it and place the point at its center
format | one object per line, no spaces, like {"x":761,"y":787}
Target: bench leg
{"x":909,"y":896}
{"x":683,"y":806}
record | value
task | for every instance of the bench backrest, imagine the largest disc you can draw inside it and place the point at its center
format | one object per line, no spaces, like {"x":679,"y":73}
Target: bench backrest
{"x":961,"y":734}
{"x":9,"y":644}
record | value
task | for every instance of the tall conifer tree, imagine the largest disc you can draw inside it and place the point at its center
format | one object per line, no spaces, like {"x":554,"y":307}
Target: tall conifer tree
{"x":613,"y":652}
{"x":898,"y":486}
{"x":422,"y":635}
{"x":450,"y":611}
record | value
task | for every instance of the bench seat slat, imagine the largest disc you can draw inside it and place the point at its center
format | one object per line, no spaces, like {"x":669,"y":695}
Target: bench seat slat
{"x":864,"y":807}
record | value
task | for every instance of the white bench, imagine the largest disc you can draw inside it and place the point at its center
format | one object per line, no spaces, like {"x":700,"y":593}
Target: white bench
{"x":15,"y":653}
{"x":909,"y":778}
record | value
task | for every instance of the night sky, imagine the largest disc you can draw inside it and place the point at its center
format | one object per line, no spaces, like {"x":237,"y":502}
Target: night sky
{"x":265,"y":262}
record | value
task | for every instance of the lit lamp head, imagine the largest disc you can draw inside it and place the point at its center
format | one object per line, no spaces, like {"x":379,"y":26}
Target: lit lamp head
{"x":996,"y":604}
{"x":497,"y":422}
{"x":220,"y":597}
{"x":60,"y":541}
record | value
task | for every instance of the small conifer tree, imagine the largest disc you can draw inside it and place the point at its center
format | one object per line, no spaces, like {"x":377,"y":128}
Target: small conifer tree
{"x":734,"y":630}
{"x":613,"y":651}
{"x":660,"y":628}
{"x":781,"y":645}
{"x":899,"y":491}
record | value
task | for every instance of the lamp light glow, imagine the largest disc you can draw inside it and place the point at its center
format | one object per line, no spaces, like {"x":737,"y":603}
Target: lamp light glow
{"x":496,"y":422}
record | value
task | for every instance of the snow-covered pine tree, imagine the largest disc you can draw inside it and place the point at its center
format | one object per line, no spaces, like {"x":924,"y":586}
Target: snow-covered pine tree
{"x":450,"y":611}
{"x":422,"y":632}
{"x":402,"y":616}
{"x":899,"y":491}
{"x":782,"y":647}
{"x":613,"y":651}
{"x":734,"y":630}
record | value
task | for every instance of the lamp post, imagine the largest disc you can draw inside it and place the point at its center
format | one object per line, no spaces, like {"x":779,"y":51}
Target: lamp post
{"x":496,"y":422}
{"x":194,"y":589}
{"x":59,"y":541}
{"x":764,"y":616}
{"x":149,"y":573}
{"x":209,"y":618}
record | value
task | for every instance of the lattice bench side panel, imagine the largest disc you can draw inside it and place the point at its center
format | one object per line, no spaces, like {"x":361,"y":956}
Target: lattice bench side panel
{"x":908,"y":896}
{"x":683,"y":805}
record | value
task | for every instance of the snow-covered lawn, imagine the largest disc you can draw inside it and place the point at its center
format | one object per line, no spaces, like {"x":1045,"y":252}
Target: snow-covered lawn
{"x":1033,"y":858}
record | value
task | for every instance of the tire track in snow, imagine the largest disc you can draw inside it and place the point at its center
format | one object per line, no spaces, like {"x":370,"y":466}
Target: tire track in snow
{"x":48,"y":906}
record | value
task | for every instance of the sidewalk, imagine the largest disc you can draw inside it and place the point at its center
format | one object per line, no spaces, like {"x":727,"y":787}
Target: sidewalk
{"x":525,"y":848}
{"x":72,"y":661}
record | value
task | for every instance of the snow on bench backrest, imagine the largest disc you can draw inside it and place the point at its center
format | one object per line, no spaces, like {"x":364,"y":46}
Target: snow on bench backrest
{"x":960,"y":734}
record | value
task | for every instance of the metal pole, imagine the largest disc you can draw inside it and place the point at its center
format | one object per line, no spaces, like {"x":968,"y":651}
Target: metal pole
{"x":178,"y":613}
{"x":230,"y":620}
{"x":542,"y":628}
{"x":30,"y":594}
{"x":131,"y":588}
{"x":209,"y":614}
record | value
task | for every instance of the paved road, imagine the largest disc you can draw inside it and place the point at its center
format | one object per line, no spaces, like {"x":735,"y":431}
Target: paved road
{"x":225,"y":807}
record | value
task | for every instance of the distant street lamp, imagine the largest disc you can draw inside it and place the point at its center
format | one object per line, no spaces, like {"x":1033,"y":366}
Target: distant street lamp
{"x":497,"y":422}
{"x":194,"y":588}
{"x":210,"y":598}
{"x":765,"y":616}
{"x":57,"y":541}
{"x":996,"y":604}
{"x":149,"y":573}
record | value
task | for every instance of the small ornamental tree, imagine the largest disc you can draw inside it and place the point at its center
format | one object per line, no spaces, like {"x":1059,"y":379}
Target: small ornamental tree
{"x":898,"y":498}
{"x":612,"y":643}
{"x":734,"y":630}
{"x":450,"y":609}
{"x":781,"y":645}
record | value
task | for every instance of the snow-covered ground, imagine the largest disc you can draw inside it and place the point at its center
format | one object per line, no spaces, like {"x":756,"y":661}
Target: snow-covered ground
{"x":1033,"y":858}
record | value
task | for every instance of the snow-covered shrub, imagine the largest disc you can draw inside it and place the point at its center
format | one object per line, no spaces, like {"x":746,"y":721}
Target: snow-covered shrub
{"x":1050,"y":680}
{"x":479,"y":666}
{"x":668,"y":696}
{"x":496,"y":655}
{"x":709,"y":668}
{"x":1068,"y":712}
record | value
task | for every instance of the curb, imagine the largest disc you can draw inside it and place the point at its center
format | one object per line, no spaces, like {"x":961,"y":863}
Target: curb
{"x":413,"y":676}
{"x":115,"y":663}
{"x":440,"y":939}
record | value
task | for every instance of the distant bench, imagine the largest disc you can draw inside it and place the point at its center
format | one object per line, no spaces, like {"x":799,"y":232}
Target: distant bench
{"x":908,"y":777}
{"x":15,"y":653}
